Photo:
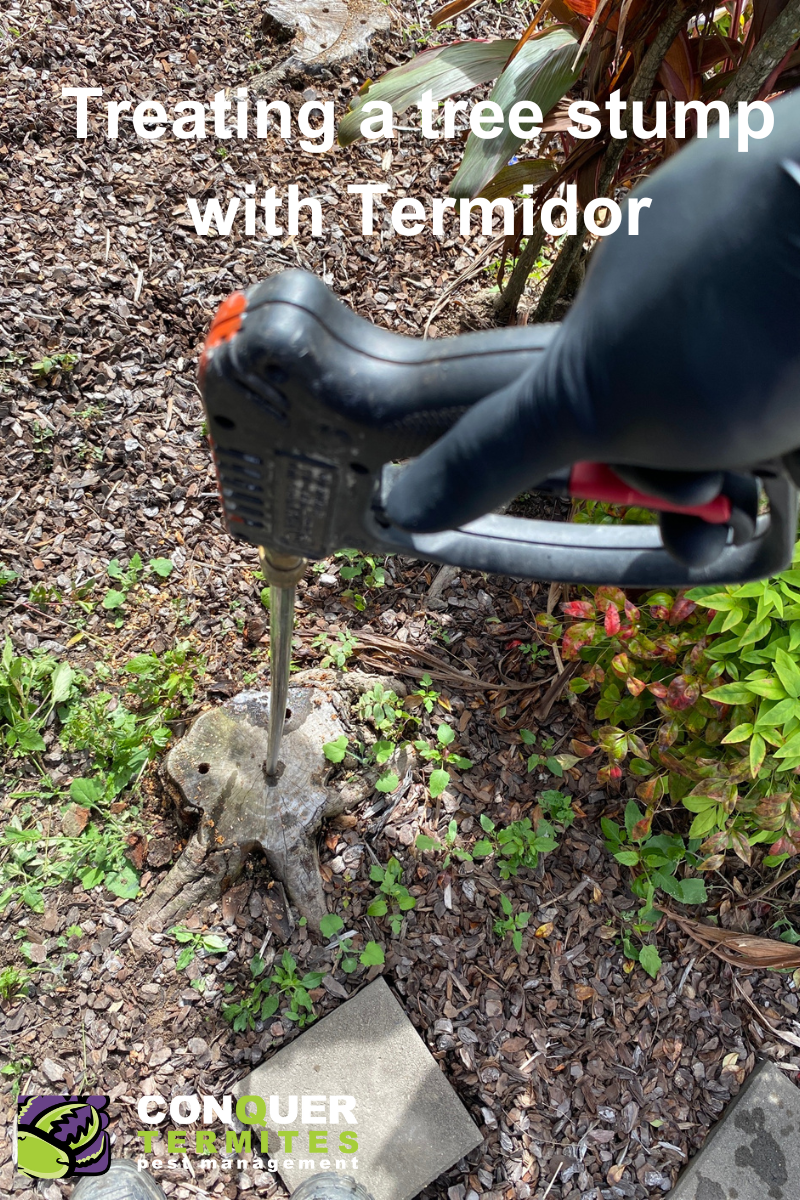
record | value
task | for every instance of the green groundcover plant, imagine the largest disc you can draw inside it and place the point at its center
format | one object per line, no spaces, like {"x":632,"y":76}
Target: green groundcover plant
{"x":698,"y":698}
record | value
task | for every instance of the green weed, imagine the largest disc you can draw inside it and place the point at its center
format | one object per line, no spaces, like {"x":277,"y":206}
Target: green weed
{"x":30,"y":689}
{"x":335,"y":653}
{"x":516,"y":845}
{"x":13,"y":983}
{"x":448,"y":847}
{"x":59,"y":363}
{"x":545,"y":761}
{"x":443,"y":756}
{"x":394,"y":899}
{"x":15,"y":1069}
{"x":511,"y":922}
{"x":363,"y":568}
{"x":331,"y":926}
{"x":261,"y":1002}
{"x":7,"y":576}
{"x":426,"y":694}
{"x":129,"y":578}
{"x":195,"y":943}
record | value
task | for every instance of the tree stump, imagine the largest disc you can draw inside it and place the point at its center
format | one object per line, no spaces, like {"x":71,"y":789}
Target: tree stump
{"x":218,"y":774}
{"x":325,"y":33}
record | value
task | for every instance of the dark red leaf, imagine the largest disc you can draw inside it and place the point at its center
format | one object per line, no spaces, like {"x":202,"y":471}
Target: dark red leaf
{"x":681,"y":609}
{"x":612,"y":621}
{"x":682,"y":692}
{"x":576,"y":637}
{"x":678,"y":73}
{"x":579,"y":608}
{"x":641,"y":829}
{"x":606,"y":595}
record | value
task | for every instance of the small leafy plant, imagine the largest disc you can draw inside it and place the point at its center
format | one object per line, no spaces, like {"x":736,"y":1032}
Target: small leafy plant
{"x":261,"y":1002}
{"x":289,"y":984}
{"x":511,"y":922}
{"x":6,"y":576}
{"x":58,"y":363}
{"x":195,"y":943}
{"x":441,"y":754}
{"x":335,"y":653}
{"x":363,"y":568}
{"x":129,"y":577}
{"x":426,"y":695}
{"x":557,"y":808}
{"x":30,"y":688}
{"x":516,"y":845}
{"x":15,"y":1069}
{"x":546,"y":761}
{"x":162,"y":681}
{"x":394,"y":898}
{"x":331,"y":926}
{"x":13,"y":983}
{"x":638,"y":925}
{"x":655,"y":858}
{"x":384,"y":710}
{"x":448,"y":847}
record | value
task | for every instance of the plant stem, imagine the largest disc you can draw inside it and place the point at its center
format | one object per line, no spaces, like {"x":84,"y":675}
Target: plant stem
{"x":773,"y":46}
{"x":640,"y":90}
{"x":508,"y":302}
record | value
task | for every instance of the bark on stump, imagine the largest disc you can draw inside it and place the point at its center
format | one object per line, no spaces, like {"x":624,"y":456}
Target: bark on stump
{"x":218,"y":769}
{"x":218,"y":772}
{"x":325,"y":34}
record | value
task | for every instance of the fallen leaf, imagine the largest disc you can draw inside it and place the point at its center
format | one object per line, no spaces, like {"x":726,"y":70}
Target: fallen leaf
{"x":739,"y":949}
{"x":74,"y":820}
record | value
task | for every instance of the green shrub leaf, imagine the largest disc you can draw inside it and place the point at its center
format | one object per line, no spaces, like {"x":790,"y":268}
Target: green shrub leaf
{"x":541,"y":71}
{"x":650,"y":960}
{"x":443,"y":70}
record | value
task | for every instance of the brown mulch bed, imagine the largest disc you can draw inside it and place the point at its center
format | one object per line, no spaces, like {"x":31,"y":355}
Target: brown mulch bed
{"x":585,"y":1076}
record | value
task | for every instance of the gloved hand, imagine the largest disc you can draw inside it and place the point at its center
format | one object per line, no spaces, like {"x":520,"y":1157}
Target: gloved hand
{"x":679,"y":360}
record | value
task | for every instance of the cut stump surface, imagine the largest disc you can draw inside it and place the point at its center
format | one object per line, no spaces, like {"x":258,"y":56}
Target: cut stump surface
{"x":330,"y":33}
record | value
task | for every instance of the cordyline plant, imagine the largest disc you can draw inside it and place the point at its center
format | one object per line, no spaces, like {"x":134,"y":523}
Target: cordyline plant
{"x":699,"y":698}
{"x":648,"y":50}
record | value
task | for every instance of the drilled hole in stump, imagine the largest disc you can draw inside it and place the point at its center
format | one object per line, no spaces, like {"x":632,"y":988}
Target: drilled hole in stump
{"x":204,"y":768}
{"x":288,"y":714}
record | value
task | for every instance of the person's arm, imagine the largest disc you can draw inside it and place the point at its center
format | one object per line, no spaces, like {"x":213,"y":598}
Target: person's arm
{"x":679,"y":359}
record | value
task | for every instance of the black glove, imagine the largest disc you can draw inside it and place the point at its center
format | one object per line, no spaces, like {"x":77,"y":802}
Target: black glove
{"x":680,"y":358}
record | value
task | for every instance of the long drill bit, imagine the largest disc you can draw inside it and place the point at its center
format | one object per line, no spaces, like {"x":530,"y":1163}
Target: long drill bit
{"x":282,"y":572}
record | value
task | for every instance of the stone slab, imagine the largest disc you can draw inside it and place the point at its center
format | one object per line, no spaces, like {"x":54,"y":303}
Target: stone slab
{"x":411,"y":1125}
{"x":753,"y":1152}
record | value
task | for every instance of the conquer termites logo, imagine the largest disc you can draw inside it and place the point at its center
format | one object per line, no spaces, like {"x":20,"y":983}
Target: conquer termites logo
{"x":62,"y":1135}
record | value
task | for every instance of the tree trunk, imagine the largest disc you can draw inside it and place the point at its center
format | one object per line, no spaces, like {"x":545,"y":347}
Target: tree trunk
{"x":640,"y":90}
{"x":508,"y":302}
{"x":773,"y":46}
